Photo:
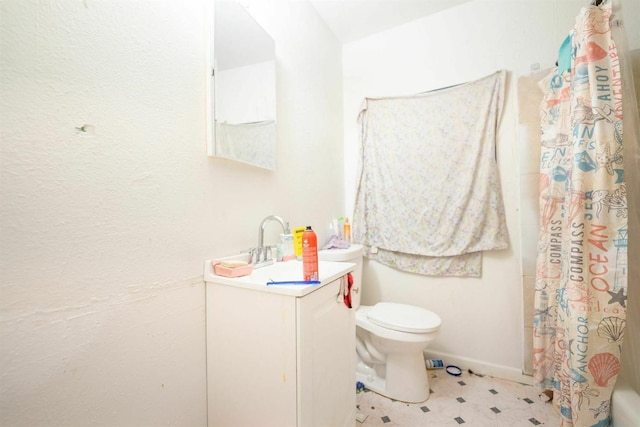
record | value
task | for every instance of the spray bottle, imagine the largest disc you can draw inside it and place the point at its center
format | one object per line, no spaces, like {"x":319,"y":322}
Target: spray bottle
{"x":310,"y":255}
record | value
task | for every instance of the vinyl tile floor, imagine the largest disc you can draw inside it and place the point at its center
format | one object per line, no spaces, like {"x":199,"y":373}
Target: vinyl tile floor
{"x":467,"y":400}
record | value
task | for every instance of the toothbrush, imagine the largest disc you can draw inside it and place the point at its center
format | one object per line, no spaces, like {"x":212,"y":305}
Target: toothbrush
{"x":295,"y":282}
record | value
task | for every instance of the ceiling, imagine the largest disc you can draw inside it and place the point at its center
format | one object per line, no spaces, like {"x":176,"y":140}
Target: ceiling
{"x":353,"y":19}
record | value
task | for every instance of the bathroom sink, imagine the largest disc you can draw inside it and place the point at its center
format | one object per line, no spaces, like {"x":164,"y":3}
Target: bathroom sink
{"x":288,"y":271}
{"x":278,"y":272}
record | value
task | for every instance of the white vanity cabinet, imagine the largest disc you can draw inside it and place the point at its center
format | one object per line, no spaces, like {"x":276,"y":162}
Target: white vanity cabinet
{"x":275,"y":359}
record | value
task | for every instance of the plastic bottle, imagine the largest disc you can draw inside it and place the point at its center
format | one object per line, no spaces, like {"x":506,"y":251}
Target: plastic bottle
{"x":310,"y":254}
{"x":347,"y":230}
{"x":434,"y":363}
{"x":297,"y":241}
{"x":287,"y":247}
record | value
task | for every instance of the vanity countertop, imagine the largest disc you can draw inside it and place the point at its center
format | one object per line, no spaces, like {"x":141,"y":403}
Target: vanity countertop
{"x":278,"y":272}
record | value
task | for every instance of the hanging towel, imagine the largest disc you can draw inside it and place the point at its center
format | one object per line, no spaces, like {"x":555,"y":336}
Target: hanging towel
{"x":429,"y":188}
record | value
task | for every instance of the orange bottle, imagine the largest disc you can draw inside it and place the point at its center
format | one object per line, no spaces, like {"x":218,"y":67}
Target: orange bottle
{"x":347,"y":230}
{"x":310,"y":255}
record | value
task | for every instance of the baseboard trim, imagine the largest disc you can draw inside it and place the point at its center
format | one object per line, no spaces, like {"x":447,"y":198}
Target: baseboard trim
{"x":481,"y":367}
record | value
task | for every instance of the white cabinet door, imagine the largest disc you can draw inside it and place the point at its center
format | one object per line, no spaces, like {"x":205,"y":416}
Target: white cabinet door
{"x":326,"y":359}
{"x":251,"y":358}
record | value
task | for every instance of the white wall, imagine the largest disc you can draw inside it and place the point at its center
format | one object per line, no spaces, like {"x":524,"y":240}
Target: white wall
{"x":103,"y":237}
{"x":246,"y":94}
{"x":482,"y":319}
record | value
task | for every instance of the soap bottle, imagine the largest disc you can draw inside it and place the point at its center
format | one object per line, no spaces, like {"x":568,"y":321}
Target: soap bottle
{"x":287,"y":247}
{"x":347,"y":230}
{"x":279,"y":252}
{"x":310,"y":255}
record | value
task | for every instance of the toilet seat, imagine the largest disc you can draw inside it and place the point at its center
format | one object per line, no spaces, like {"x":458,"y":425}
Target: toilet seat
{"x":403,"y":318}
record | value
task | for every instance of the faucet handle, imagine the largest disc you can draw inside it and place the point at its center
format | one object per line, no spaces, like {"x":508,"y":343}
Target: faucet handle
{"x":252,"y":253}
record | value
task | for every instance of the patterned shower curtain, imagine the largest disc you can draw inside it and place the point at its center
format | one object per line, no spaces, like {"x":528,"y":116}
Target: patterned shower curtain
{"x":581,"y":274}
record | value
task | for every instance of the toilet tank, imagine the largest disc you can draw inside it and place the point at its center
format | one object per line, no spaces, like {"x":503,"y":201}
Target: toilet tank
{"x":352,"y":254}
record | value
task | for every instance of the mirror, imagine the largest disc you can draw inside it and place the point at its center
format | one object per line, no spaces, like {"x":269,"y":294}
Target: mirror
{"x":244,"y":88}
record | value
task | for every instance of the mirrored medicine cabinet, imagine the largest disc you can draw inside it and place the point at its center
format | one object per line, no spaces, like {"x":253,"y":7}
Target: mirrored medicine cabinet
{"x":242,"y":91}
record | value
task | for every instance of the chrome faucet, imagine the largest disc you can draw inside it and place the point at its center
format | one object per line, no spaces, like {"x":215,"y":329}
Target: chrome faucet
{"x":261,"y":255}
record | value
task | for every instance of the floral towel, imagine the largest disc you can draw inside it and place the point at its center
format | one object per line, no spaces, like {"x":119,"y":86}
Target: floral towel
{"x":428,"y":198}
{"x":252,"y":143}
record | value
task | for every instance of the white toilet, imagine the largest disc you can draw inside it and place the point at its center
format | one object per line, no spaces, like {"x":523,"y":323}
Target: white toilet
{"x":390,"y":339}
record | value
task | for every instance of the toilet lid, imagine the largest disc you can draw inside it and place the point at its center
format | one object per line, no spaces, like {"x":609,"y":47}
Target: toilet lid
{"x":403,"y":317}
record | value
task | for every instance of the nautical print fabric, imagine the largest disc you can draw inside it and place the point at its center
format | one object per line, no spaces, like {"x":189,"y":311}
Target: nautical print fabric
{"x":428,"y":199}
{"x":581,"y":275}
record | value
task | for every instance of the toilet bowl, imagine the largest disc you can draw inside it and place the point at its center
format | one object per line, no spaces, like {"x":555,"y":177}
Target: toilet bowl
{"x":390,"y":339}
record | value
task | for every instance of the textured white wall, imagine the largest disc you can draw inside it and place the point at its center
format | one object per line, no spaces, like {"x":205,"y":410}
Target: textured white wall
{"x":103,"y":236}
{"x":482,"y":319}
